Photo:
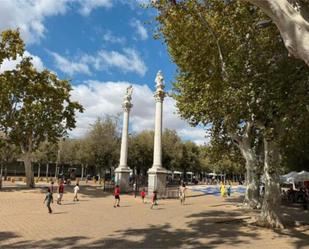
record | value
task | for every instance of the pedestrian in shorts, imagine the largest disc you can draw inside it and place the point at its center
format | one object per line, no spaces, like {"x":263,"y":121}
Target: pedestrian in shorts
{"x":117,"y":196}
{"x":49,"y":200}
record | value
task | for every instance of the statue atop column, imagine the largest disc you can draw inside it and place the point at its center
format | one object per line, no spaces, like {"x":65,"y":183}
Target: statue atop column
{"x":159,"y":94}
{"x":159,"y":79}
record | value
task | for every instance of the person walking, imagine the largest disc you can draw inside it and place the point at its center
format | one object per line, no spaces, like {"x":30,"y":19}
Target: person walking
{"x":117,"y":196}
{"x":143,"y":195}
{"x":229,"y":190}
{"x":76,"y":190}
{"x":154,"y":199}
{"x":49,"y":200}
{"x":182,"y":193}
{"x":223,"y":190}
{"x":60,"y":192}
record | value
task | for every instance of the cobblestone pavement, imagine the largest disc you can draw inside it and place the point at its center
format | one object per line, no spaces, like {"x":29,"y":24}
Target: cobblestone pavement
{"x":204,"y":222}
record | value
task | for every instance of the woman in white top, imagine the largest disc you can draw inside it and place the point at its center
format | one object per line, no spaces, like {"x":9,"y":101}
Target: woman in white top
{"x":76,"y":189}
{"x":182,"y":193}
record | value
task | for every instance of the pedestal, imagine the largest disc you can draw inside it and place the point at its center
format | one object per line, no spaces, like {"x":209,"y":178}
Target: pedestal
{"x":157,"y":181}
{"x":122,"y":178}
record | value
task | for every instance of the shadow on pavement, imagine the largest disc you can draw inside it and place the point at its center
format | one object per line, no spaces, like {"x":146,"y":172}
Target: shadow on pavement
{"x":209,"y":229}
{"x":61,"y":242}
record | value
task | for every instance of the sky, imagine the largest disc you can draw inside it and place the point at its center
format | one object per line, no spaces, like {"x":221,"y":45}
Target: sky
{"x":102,"y":46}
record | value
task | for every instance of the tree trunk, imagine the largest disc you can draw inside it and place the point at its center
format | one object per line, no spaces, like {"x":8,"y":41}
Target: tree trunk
{"x":29,"y":170}
{"x":82,"y":174}
{"x":5,"y":173}
{"x":1,"y":175}
{"x":39,"y":170}
{"x":292,"y":19}
{"x":252,"y":191}
{"x":245,"y":144}
{"x":56,"y":168}
{"x":47,"y":166}
{"x":271,"y":202}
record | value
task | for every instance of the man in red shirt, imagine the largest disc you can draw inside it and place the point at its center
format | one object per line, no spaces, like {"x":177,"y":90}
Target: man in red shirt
{"x":117,"y":196}
{"x":60,"y":192}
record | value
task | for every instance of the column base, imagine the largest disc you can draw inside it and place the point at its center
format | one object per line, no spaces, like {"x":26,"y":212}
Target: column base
{"x":157,"y":181}
{"x":122,"y":178}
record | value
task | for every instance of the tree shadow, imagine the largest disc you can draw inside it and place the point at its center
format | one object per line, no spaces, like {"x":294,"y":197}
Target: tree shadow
{"x":294,"y":215}
{"x":302,"y":239}
{"x":58,"y":242}
{"x":200,"y":227}
{"x":6,"y":236}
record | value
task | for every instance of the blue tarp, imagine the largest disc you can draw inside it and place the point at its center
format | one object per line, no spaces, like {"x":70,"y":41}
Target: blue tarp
{"x":215,"y":190}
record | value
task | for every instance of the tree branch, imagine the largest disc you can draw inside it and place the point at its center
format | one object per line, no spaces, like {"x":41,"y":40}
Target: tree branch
{"x":291,"y":17}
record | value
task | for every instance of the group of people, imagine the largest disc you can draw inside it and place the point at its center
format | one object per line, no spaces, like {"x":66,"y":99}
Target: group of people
{"x":154,"y":197}
{"x":225,"y":190}
{"x":60,"y":190}
{"x":300,"y":195}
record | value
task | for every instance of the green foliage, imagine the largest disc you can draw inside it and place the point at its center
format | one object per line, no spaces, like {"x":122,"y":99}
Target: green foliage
{"x":46,"y":153}
{"x":231,"y":72}
{"x":140,"y":154}
{"x":11,"y":45}
{"x":177,"y":154}
{"x":8,"y":152}
{"x":190,"y":158}
{"x":104,"y":142}
{"x":39,"y":106}
{"x":172,"y":147}
{"x":34,"y":106}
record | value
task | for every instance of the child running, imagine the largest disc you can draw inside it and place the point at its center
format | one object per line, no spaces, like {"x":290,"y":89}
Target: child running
{"x":51,"y":187}
{"x":143,"y":195}
{"x":76,"y":190}
{"x":154,"y":199}
{"x":48,"y":200}
{"x":117,"y":196}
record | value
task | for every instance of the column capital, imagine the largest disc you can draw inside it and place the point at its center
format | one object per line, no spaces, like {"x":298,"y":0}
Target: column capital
{"x":159,"y":95}
{"x":126,"y":104}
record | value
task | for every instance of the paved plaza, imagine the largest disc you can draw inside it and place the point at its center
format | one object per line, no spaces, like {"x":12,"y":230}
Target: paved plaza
{"x":206,"y":221}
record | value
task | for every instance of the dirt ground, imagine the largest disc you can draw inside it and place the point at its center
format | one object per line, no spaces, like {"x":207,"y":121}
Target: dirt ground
{"x":205,"y":221}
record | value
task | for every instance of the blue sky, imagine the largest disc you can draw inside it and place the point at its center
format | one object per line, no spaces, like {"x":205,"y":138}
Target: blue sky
{"x":102,"y":46}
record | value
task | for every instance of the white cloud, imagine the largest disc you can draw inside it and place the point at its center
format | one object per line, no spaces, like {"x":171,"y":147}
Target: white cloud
{"x":127,"y":61}
{"x":88,"y":5}
{"x":109,"y":37}
{"x":139,"y":29}
{"x":68,"y":66}
{"x":101,"y":98}
{"x":29,"y":16}
{"x":11,"y":64}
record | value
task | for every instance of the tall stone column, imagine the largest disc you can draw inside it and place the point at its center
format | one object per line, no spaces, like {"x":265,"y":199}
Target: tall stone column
{"x":122,"y":172}
{"x":157,"y":174}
